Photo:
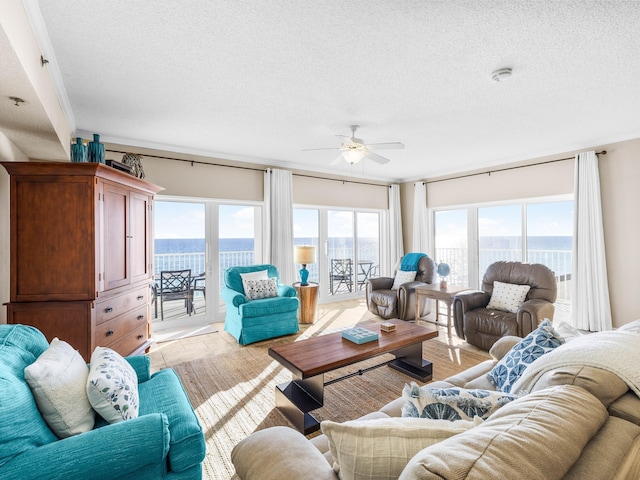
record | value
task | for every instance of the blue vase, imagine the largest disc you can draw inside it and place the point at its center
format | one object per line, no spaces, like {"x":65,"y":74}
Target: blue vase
{"x":78,"y":151}
{"x":96,"y":150}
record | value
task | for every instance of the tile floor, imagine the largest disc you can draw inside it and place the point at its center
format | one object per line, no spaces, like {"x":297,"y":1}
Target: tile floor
{"x":329,"y":317}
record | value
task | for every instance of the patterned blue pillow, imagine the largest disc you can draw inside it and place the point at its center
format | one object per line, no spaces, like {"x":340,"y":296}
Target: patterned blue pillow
{"x":452,"y":403}
{"x":509,"y":369}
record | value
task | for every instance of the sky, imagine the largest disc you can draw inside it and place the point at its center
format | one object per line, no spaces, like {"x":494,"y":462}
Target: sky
{"x":543,"y":219}
{"x":187,"y":220}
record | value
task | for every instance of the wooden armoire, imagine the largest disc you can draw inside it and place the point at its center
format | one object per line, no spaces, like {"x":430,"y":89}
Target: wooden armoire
{"x":81,"y":254}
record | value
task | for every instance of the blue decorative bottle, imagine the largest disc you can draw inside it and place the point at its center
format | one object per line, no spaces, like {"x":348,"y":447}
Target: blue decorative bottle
{"x":96,"y":150}
{"x":78,"y":151}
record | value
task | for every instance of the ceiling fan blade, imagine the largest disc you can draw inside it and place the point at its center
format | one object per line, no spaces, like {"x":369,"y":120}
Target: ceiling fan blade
{"x":347,"y":140}
{"x":386,"y":146}
{"x":313,"y":149}
{"x":376,"y":158}
{"x":339,"y":159}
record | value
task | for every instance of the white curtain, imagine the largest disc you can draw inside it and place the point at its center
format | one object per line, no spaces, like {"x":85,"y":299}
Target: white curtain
{"x":396,"y":247}
{"x":590,"y":308}
{"x":421,"y":227}
{"x":278,"y":225}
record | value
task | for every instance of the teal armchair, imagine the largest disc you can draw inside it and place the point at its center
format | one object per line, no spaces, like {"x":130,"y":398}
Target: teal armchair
{"x":251,"y":321}
{"x":165,"y":441}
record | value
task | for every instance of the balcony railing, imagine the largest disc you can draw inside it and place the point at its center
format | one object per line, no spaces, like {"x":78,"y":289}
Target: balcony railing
{"x":559,"y":261}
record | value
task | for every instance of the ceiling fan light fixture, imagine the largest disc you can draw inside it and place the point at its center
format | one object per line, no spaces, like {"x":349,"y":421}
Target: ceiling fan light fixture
{"x":353,"y":155}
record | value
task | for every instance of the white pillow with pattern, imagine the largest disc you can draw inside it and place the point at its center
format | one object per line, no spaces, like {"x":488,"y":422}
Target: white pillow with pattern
{"x":256,"y":289}
{"x":112,"y":386}
{"x":403,"y":277}
{"x":508,"y":296}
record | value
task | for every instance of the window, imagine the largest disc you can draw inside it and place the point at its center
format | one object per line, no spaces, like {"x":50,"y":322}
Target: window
{"x":533,"y":232}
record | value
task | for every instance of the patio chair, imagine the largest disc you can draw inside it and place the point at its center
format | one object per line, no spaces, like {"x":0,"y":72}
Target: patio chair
{"x":174,"y":285}
{"x":341,"y":272}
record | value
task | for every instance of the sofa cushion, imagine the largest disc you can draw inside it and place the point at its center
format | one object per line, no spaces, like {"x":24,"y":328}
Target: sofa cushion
{"x":507,"y":296}
{"x":604,"y":385}
{"x":21,"y":425}
{"x":540,"y":435}
{"x":163,"y":393}
{"x":452,"y":403}
{"x":58,"y":381}
{"x":608,"y":452}
{"x":233,"y":280}
{"x":380,"y":448}
{"x":112,"y":386}
{"x":258,"y":275}
{"x":508,"y":370}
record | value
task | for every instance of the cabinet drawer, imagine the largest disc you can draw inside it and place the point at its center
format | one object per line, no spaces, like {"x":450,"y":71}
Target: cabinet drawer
{"x":110,"y":332}
{"x":115,"y":306}
{"x":131,"y":341}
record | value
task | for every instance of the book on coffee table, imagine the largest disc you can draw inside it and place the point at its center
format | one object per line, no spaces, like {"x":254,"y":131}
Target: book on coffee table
{"x":359,"y":335}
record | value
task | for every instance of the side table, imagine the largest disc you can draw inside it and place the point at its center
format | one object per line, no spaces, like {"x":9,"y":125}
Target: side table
{"x":308,"y":295}
{"x":438,"y":294}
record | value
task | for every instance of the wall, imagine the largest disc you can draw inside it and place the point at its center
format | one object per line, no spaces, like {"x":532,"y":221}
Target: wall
{"x":620,"y":189}
{"x":221,"y":179}
{"x":8,"y":153}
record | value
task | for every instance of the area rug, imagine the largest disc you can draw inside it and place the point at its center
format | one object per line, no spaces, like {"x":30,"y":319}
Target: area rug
{"x":233,"y":393}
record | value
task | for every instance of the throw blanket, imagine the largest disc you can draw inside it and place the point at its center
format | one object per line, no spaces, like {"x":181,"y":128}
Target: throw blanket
{"x":410,"y":262}
{"x":616,"y":352}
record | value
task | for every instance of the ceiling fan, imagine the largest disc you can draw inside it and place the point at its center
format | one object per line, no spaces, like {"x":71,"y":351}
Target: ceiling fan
{"x":354,"y":149}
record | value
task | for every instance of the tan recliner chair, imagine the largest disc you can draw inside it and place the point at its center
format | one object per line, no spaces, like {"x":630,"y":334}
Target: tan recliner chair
{"x":387,"y":303}
{"x":482,"y":327}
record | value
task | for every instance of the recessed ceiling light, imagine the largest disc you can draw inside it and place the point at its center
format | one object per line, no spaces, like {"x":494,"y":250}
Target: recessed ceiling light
{"x":501,"y":74}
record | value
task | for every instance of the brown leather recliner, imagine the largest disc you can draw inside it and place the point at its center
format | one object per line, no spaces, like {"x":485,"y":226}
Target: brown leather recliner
{"x":482,"y":327}
{"x":387,"y":303}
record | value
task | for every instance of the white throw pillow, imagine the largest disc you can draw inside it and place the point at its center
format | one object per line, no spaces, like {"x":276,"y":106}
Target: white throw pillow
{"x":112,"y":386}
{"x":508,"y":296}
{"x":58,"y":380}
{"x":631,"y":327}
{"x":259,"y":275}
{"x":381,"y":448}
{"x":566,"y":331}
{"x":403,"y":277}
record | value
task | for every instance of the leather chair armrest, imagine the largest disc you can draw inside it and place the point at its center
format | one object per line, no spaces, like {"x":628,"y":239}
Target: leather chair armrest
{"x":406,"y":300}
{"x":531,"y":313}
{"x":379,"y":283}
{"x":462,"y":303}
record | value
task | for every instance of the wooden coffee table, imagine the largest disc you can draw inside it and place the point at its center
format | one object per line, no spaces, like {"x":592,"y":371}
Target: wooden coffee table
{"x":310,"y":359}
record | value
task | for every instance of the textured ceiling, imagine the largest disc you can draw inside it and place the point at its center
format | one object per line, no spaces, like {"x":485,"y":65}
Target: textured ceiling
{"x":262,"y":80}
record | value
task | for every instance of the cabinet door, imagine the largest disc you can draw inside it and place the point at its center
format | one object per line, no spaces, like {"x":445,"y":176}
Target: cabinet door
{"x":115,"y":223}
{"x":52,"y":238}
{"x":140,"y":236}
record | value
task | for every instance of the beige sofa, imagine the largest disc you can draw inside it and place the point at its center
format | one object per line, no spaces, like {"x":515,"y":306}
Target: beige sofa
{"x":577,"y":422}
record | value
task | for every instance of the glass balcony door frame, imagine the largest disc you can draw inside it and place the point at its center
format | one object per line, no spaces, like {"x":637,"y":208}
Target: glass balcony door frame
{"x":474,"y":274}
{"x":323,"y":265}
{"x":214,"y":305}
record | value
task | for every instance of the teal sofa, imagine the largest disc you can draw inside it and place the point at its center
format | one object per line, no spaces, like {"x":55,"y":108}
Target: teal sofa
{"x":165,"y":441}
{"x":251,"y":321}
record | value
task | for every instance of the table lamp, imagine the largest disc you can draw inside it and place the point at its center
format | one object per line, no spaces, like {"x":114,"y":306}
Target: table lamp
{"x":304,"y":255}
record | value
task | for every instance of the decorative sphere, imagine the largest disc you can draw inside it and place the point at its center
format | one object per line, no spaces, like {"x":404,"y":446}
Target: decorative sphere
{"x":443,"y":269}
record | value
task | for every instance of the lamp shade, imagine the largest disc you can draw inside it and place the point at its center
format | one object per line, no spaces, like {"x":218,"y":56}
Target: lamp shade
{"x":304,"y":254}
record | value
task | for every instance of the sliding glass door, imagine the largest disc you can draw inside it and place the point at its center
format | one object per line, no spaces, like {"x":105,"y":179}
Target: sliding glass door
{"x":206,"y":237}
{"x":348,"y":244}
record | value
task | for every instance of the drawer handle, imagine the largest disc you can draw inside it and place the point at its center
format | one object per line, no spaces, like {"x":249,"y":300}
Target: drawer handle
{"x":108,"y":310}
{"x":140,"y":317}
{"x":140,"y":297}
{"x":140,"y":337}
{"x":109,"y":333}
